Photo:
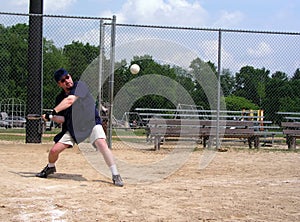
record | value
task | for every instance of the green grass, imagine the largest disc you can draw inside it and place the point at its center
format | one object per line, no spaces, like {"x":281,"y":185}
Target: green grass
{"x":136,"y":132}
{"x":137,"y":135}
{"x":20,"y":138}
{"x":12,"y":130}
{"x":19,"y":135}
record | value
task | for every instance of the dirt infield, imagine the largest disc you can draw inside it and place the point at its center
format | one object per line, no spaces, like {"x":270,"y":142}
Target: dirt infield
{"x":238,"y":185}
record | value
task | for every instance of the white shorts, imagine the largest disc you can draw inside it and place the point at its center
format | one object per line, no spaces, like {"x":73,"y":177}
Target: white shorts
{"x":97,"y":133}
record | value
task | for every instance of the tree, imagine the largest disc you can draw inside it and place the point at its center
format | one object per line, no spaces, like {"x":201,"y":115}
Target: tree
{"x":296,"y":75}
{"x":79,"y":57}
{"x":227,"y":82}
{"x":184,"y":78}
{"x":13,"y":60}
{"x":149,"y":67}
{"x":280,"y":76}
{"x":53,"y":58}
{"x":276,"y":88}
{"x":237,"y":103}
{"x":251,"y":82}
{"x":206,"y":82}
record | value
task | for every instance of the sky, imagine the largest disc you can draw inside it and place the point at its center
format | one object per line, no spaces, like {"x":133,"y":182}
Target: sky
{"x":274,"y":52}
{"x":262,"y":15}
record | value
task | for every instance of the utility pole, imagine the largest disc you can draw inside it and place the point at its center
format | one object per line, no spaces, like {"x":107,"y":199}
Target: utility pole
{"x":35,"y":71}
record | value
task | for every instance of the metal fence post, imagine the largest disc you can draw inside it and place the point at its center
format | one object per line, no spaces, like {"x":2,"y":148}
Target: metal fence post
{"x":219,"y":90}
{"x":101,"y":51}
{"x":111,"y":81}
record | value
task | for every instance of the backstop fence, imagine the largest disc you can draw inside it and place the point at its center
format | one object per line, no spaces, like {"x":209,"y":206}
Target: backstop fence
{"x":194,"y":72}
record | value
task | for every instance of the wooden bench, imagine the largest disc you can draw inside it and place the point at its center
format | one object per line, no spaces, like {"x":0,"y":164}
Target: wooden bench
{"x":205,"y":130}
{"x":290,"y":127}
{"x":292,"y":132}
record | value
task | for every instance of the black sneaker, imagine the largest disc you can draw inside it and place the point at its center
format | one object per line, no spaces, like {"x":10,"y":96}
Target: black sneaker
{"x":46,"y":171}
{"x":117,"y":180}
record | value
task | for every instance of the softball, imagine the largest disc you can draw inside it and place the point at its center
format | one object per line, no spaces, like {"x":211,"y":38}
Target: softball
{"x":134,"y":68}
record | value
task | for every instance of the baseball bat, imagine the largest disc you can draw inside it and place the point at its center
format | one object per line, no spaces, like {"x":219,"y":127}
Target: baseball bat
{"x":34,"y":116}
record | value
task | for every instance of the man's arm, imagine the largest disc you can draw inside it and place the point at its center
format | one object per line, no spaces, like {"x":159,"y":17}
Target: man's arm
{"x":57,"y":119}
{"x":65,"y":103}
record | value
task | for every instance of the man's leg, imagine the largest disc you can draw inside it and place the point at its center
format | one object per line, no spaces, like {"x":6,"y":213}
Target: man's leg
{"x":65,"y":142}
{"x":105,"y":151}
{"x":55,"y":151}
{"x":101,"y":145}
{"x":52,"y":158}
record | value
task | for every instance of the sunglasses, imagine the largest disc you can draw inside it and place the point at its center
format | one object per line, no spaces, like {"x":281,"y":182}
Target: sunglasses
{"x":64,"y":79}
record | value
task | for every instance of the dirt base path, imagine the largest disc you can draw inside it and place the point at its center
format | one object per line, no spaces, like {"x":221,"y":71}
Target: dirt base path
{"x":238,"y":185}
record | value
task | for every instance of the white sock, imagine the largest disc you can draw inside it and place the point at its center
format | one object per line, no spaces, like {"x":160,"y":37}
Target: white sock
{"x":51,"y":164}
{"x":114,"y":170}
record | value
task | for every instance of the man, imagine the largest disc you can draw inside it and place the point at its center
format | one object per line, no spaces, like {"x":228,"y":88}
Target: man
{"x":75,"y":109}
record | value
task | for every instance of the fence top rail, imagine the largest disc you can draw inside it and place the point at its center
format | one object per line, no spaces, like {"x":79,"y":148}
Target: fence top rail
{"x":53,"y":16}
{"x":210,"y":29}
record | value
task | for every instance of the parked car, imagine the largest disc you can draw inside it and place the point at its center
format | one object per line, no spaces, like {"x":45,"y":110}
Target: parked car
{"x":4,"y":124}
{"x":16,"y":121}
{"x":48,"y":125}
{"x":3,"y":115}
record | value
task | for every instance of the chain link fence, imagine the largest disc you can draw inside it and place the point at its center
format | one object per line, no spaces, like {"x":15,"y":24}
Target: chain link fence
{"x":74,"y":43}
{"x":181,"y":69}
